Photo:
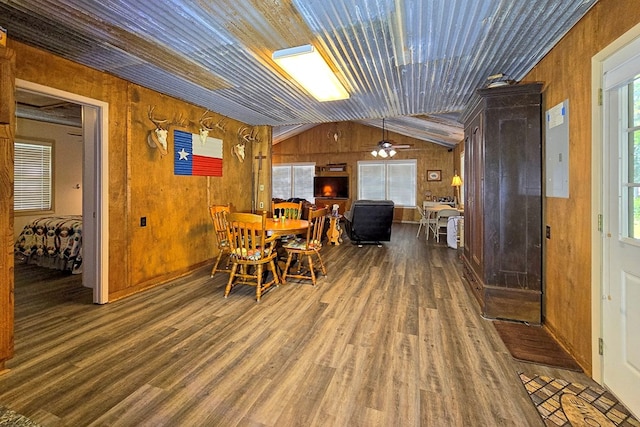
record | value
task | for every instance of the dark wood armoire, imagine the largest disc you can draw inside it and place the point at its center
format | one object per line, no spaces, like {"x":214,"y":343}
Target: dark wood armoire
{"x":503,"y":201}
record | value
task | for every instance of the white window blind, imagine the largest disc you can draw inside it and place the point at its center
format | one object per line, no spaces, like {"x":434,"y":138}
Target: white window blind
{"x":293,"y":180}
{"x":388,"y":180}
{"x":33,"y":176}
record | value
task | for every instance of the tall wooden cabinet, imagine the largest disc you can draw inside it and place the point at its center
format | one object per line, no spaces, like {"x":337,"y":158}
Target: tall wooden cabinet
{"x":503,"y":201}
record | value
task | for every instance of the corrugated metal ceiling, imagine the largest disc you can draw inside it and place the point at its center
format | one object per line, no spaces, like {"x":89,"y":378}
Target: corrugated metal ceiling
{"x":416,"y":63}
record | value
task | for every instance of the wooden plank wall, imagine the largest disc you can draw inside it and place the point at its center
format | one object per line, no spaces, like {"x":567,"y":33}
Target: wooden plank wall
{"x":7,"y":128}
{"x":179,"y":234}
{"x":355,"y":143}
{"x":566,"y":72}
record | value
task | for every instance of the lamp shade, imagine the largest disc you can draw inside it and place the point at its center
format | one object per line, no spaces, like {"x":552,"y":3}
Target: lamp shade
{"x":456,"y":181}
{"x":305,"y":65}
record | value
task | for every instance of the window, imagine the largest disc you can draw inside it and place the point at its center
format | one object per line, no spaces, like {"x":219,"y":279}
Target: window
{"x":33,"y":176}
{"x":388,"y":180}
{"x":293,"y":180}
{"x":631,"y":150}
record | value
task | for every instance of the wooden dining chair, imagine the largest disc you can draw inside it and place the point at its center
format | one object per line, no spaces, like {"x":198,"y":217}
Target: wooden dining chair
{"x":289,"y":210}
{"x":305,"y":249}
{"x":250,"y":251}
{"x":218,"y":216}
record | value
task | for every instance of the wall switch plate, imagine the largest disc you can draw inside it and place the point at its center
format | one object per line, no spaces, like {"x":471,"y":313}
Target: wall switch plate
{"x":143,"y":221}
{"x":261,"y":205}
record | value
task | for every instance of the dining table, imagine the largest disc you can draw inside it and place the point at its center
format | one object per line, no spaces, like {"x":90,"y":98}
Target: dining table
{"x":279,"y":227}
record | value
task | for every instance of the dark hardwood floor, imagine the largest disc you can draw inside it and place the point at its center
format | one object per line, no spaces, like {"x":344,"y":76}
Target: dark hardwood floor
{"x":391,"y":337}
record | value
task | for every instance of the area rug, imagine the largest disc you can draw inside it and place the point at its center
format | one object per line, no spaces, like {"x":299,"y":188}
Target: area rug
{"x":561,"y":403}
{"x":9,"y":418}
{"x":534,"y":344}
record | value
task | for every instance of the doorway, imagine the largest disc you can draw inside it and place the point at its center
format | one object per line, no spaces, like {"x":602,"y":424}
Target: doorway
{"x":616,"y":295}
{"x":94,"y":182}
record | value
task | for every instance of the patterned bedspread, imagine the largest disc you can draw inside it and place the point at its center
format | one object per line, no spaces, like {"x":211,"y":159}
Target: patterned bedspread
{"x":53,"y":242}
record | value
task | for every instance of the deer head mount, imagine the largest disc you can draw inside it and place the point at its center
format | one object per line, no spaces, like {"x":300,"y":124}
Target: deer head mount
{"x":238,"y":151}
{"x":207,"y":125}
{"x":335,"y":134}
{"x":157,"y":138}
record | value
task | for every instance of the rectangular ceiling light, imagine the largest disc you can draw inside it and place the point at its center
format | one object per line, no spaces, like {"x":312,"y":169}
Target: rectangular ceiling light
{"x":308,"y":68}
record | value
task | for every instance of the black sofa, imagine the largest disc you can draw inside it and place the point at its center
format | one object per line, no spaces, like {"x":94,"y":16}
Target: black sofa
{"x":369,"y":221}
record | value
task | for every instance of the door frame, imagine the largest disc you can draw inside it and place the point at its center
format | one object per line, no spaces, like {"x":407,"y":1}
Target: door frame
{"x":96,"y":159}
{"x":599,"y":195}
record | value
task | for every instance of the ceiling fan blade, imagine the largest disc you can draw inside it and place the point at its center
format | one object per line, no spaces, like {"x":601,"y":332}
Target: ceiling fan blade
{"x":402,"y":146}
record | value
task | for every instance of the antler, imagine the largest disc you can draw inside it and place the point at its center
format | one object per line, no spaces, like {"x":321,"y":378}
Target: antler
{"x":179,"y":121}
{"x":221,"y":125}
{"x":204,"y":121}
{"x":248,"y":135}
{"x":159,"y":123}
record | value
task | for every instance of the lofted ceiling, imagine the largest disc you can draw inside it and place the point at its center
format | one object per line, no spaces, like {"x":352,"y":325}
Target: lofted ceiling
{"x":416,"y":63}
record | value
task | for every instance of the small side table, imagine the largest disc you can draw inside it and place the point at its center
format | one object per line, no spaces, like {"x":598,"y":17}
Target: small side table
{"x":334,"y":233}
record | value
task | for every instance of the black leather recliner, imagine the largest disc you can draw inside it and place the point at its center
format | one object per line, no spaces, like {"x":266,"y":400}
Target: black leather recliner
{"x":369,"y":221}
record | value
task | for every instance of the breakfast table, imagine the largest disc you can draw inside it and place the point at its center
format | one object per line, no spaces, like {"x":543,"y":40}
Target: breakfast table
{"x":279,"y":227}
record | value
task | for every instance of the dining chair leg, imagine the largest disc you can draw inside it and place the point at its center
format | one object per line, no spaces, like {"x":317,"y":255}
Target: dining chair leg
{"x":215,"y":266}
{"x":274,"y":270}
{"x":324,"y":270}
{"x":232,"y":275}
{"x":419,"y":228}
{"x":311,"y":270}
{"x":259,"y":280}
{"x":287,"y":265}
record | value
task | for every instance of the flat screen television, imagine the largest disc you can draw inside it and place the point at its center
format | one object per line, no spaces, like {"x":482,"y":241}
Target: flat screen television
{"x":336,"y":187}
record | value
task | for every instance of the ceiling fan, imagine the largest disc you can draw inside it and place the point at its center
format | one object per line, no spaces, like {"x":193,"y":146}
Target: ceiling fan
{"x":385,"y":147}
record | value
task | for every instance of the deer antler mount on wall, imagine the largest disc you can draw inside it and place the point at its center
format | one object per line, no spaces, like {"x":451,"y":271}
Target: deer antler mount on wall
{"x":157,"y":137}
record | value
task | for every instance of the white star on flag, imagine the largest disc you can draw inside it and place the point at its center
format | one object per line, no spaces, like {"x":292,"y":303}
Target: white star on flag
{"x":183,"y":154}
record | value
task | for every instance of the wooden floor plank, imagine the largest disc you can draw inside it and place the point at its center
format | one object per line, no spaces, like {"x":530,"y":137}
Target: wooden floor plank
{"x":391,"y":336}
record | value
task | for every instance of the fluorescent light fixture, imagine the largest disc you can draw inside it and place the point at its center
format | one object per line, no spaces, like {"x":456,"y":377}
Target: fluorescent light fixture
{"x":307,"y":67}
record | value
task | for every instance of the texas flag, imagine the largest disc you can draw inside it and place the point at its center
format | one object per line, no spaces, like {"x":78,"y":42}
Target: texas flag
{"x":192,"y":157}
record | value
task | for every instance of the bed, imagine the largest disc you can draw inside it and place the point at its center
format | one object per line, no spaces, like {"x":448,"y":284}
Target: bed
{"x":52,"y":242}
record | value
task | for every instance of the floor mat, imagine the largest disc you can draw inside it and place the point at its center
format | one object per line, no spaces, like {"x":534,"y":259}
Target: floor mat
{"x":9,"y":418}
{"x":534,"y":344}
{"x":561,"y":403}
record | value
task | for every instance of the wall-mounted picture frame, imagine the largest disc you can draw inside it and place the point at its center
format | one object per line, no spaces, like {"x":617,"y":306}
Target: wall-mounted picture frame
{"x":434,"y":175}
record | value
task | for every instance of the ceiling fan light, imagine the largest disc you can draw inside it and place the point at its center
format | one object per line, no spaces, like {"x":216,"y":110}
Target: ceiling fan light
{"x":392,"y":152}
{"x":382,"y":153}
{"x":374,"y":153}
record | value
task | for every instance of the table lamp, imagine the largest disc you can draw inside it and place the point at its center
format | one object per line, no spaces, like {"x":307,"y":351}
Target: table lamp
{"x":457,"y":182}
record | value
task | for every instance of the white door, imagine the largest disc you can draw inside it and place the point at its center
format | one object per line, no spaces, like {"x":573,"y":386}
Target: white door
{"x":621,"y":289}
